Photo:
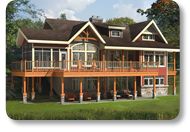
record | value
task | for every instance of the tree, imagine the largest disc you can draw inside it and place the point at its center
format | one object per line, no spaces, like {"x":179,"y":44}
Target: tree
{"x":63,"y":16}
{"x":166,"y":15}
{"x":19,"y":13}
{"x":120,"y":21}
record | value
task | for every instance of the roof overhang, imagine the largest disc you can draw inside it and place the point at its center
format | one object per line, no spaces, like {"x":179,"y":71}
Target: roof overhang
{"x":150,"y":23}
{"x":117,"y":27}
{"x":141,"y":48}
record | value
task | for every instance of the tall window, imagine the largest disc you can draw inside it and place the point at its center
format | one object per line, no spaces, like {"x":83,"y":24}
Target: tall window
{"x":42,"y":57}
{"x":85,"y":52}
{"x":154,"y":58}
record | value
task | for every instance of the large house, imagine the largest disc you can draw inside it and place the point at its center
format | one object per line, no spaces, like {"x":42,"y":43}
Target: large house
{"x":92,"y":60}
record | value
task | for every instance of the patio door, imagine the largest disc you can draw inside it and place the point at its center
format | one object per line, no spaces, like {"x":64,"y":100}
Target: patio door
{"x":63,"y":60}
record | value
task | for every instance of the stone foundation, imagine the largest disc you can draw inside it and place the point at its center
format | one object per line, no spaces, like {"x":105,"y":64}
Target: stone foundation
{"x":148,"y":91}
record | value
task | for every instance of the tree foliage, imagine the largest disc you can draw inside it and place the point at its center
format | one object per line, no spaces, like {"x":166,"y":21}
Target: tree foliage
{"x":19,"y":14}
{"x":120,"y":21}
{"x":166,"y":15}
{"x":63,"y":16}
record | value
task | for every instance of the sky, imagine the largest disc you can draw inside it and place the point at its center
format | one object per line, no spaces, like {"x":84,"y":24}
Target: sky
{"x":84,"y":9}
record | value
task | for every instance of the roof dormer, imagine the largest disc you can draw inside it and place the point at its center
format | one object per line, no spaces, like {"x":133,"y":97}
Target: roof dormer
{"x":116,"y":31}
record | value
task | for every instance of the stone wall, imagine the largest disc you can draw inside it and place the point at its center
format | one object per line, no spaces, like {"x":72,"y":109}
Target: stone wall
{"x":148,"y":91}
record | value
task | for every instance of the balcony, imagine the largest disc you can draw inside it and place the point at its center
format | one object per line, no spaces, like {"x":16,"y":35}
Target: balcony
{"x":84,"y":68}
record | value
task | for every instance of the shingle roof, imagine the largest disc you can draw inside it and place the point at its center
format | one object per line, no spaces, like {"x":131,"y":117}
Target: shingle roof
{"x":45,"y":34}
{"x":63,"y":30}
{"x":136,"y":28}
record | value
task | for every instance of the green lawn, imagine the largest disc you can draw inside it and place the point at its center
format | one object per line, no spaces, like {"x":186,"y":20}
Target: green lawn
{"x":151,"y":109}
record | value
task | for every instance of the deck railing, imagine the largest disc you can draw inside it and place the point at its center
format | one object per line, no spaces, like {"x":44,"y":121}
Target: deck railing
{"x":83,"y":66}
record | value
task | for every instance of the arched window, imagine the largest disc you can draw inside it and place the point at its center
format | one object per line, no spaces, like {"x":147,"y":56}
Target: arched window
{"x":86,"y":52}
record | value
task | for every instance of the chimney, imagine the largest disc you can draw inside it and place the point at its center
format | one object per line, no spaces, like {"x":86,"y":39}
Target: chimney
{"x":96,"y":19}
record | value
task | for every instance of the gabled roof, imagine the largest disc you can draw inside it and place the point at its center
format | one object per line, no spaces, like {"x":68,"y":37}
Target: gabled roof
{"x":57,"y":31}
{"x":138,"y":29}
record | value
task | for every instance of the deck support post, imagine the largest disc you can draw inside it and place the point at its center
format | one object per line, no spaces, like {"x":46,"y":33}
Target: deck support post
{"x":24,"y":91}
{"x":154,"y":87}
{"x":135,"y":88}
{"x":174,"y":85}
{"x":174,"y":81}
{"x":62,"y":90}
{"x":105,"y":90}
{"x":40,"y":85}
{"x":33,"y":91}
{"x":98,"y":90}
{"x":114,"y":90}
{"x":51,"y":87}
{"x":81,"y":93}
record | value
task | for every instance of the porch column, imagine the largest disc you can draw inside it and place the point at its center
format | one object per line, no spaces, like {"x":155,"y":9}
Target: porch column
{"x":174,"y":85}
{"x":105,"y":90}
{"x":40,"y":85}
{"x":24,"y":91}
{"x":135,"y":88}
{"x":33,"y":91}
{"x":51,"y":87}
{"x":114,"y":90}
{"x":62,"y":90}
{"x":81,"y":94}
{"x":98,"y":90}
{"x":154,"y":87}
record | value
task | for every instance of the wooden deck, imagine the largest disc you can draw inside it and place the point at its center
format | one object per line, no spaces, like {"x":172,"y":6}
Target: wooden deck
{"x":85,"y":69}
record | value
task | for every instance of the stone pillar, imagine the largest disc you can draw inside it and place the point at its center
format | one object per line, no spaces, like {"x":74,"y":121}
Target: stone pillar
{"x":24,"y":91}
{"x":62,"y":90}
{"x":114,"y":90}
{"x":81,"y":93}
{"x":98,"y":90}
{"x":134,"y":88}
{"x":51,"y":87}
{"x":33,"y":91}
{"x":154,"y":87}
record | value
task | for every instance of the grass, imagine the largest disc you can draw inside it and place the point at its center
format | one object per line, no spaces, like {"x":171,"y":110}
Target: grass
{"x":161,"y":108}
{"x":164,"y":108}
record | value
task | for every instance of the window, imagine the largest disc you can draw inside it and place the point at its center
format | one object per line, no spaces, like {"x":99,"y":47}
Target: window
{"x":148,"y":37}
{"x":116,"y":33}
{"x":43,"y":56}
{"x":148,"y":81}
{"x":159,"y":58}
{"x":149,"y":57}
{"x":85,"y":52}
{"x":154,"y":58}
